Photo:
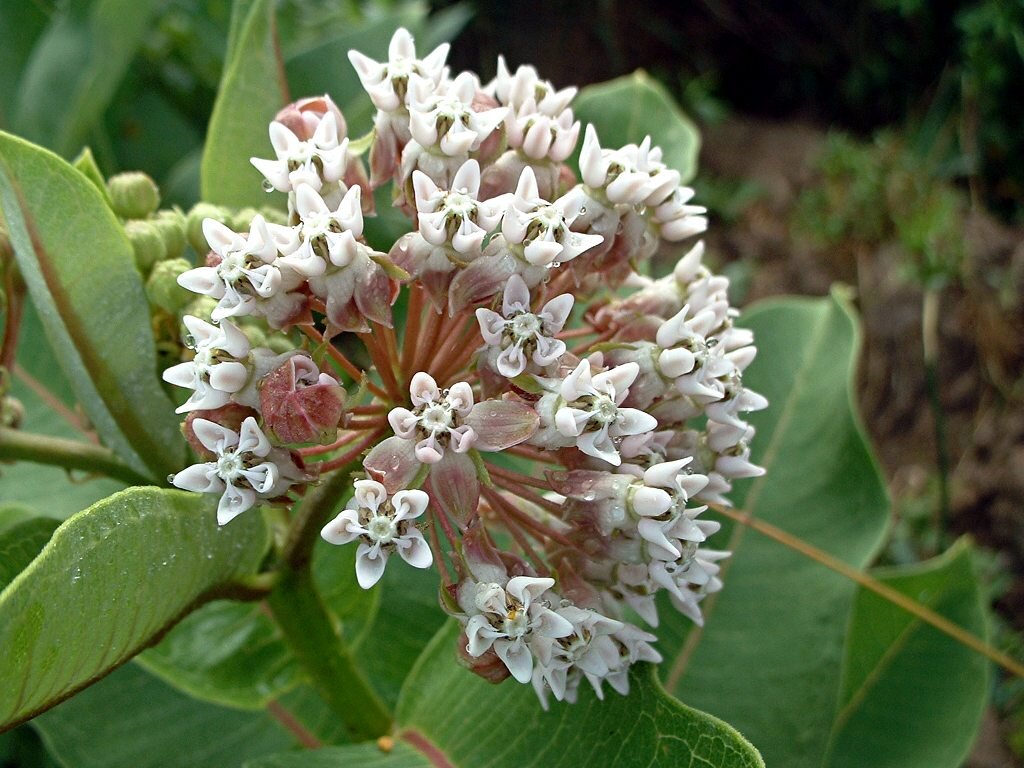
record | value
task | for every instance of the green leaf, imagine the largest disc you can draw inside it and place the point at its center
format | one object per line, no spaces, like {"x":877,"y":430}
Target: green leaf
{"x":452,"y":717}
{"x":81,"y":276}
{"x":912,"y":696}
{"x":251,"y":92}
{"x":365,"y":755}
{"x":75,"y":68}
{"x":112,"y":580}
{"x":628,"y":108}
{"x":227,"y":653}
{"x":20,"y":543}
{"x":132,"y":720}
{"x":775,"y":633}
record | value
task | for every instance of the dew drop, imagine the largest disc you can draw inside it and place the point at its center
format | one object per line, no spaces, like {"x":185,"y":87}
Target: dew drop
{"x":583,"y":209}
{"x":589,"y":496}
{"x":564,"y":603}
{"x":170,"y":478}
{"x":190,"y":341}
{"x":267,"y":186}
{"x":556,"y":264}
{"x":395,"y":462}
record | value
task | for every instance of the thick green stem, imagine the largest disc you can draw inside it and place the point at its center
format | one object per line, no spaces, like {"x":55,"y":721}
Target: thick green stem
{"x":314,"y":637}
{"x":313,"y":634}
{"x":16,"y":445}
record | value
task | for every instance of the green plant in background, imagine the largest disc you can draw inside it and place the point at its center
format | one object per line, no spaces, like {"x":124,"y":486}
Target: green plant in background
{"x":256,"y":643}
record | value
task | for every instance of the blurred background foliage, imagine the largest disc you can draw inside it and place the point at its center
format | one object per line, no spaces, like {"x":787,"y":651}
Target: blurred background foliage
{"x":875,"y":142}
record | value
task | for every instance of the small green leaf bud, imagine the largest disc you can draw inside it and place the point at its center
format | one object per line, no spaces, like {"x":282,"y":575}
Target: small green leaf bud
{"x":147,"y":244}
{"x":133,"y":195}
{"x":171,"y":225}
{"x":194,"y":225}
{"x":162,"y":288}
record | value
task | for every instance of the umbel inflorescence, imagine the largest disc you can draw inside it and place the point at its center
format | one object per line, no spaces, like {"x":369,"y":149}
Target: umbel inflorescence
{"x":546,"y":422}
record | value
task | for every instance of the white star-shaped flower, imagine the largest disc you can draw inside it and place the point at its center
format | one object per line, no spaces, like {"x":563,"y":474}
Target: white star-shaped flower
{"x":239,"y":473}
{"x":325,"y":237}
{"x":507,"y":618}
{"x":522,"y":335}
{"x":216,"y":371}
{"x":455,"y":215}
{"x":382,"y":526}
{"x":542,"y":228}
{"x":591,"y":410}
{"x":320,"y":159}
{"x":388,"y":83}
{"x":436,"y":419}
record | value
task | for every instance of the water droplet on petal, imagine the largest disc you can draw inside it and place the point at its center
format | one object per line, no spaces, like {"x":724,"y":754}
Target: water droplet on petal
{"x":583,"y":209}
{"x":190,"y":341}
{"x":267,"y":186}
{"x":170,"y":478}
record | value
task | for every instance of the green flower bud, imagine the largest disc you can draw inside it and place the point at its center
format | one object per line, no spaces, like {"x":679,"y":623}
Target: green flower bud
{"x":171,"y":225}
{"x":201,"y":307}
{"x":162,"y":288}
{"x":256,"y":335}
{"x":274,"y":215}
{"x":194,"y":225}
{"x":133,"y":195}
{"x":242,"y":218}
{"x":147,"y":244}
{"x":280,"y":343}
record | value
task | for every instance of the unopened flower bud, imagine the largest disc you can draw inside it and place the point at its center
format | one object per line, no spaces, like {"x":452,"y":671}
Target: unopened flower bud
{"x":488,"y":665}
{"x":303,"y":116}
{"x":194,"y":224}
{"x":12,"y":412}
{"x":147,"y":244}
{"x":133,"y":195}
{"x":201,"y":307}
{"x":300,"y":404}
{"x":171,"y":225}
{"x":162,"y":288}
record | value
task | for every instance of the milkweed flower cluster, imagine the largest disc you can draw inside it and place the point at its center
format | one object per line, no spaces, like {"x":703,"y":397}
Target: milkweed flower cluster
{"x":545,"y":424}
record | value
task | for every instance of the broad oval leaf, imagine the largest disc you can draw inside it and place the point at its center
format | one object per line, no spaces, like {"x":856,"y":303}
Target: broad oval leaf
{"x":252,"y":90}
{"x":133,"y":720}
{"x":111,"y":580}
{"x":81,"y":275}
{"x":913,"y":697}
{"x":628,"y":108}
{"x":775,"y":633}
{"x":452,"y":718}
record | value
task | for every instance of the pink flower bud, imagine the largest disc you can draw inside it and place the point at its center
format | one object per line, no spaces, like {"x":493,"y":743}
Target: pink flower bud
{"x":303,"y":116}
{"x":300,"y":404}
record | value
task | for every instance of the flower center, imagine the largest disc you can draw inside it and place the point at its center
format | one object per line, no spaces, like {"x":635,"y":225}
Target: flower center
{"x":230,"y":466}
{"x":232,"y":267}
{"x":436,"y":418}
{"x":605,"y":410}
{"x":382,"y":529}
{"x":525,"y":326}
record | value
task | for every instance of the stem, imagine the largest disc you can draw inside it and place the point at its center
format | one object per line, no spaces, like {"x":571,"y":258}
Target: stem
{"x":315,"y":639}
{"x":884,"y":591}
{"x":69,"y":454}
{"x":311,"y":631}
{"x":930,"y":344}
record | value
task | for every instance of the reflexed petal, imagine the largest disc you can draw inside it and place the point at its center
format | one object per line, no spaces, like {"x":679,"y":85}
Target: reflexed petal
{"x":200,"y":478}
{"x":500,"y":424}
{"x":234,"y":502}
{"x":370,"y":563}
{"x":517,"y":658}
{"x":415,"y":551}
{"x":213,"y":436}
